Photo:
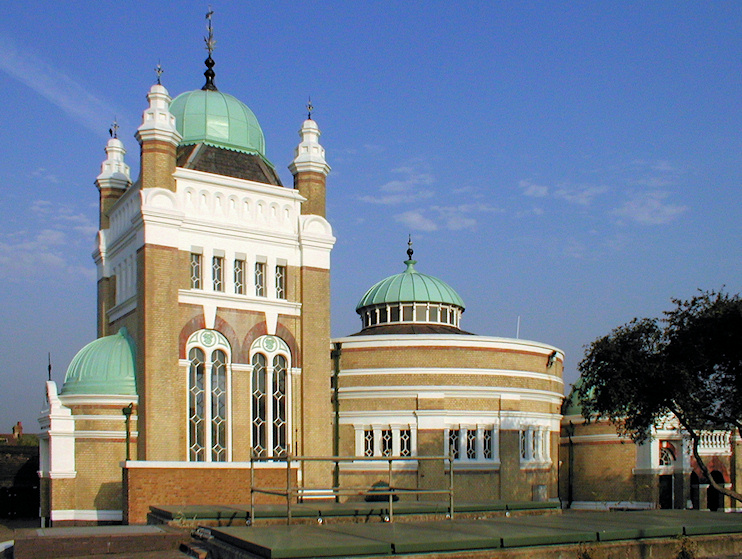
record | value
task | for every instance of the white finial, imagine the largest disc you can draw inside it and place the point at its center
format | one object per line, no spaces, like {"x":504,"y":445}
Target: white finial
{"x":309,"y":155}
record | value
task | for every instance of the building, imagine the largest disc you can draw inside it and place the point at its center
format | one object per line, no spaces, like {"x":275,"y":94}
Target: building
{"x":214,"y":343}
{"x":604,"y":470}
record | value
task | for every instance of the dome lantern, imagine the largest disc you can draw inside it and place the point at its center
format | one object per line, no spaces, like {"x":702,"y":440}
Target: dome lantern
{"x":411,"y":298}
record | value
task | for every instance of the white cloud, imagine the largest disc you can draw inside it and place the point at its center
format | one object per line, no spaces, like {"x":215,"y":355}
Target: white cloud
{"x":582,"y":195}
{"x":52,"y":245}
{"x":42,"y":173}
{"x":58,"y":88}
{"x":409,"y":188}
{"x":533,"y":190}
{"x":451,"y":218}
{"x":650,"y":208}
{"x":416,"y":221}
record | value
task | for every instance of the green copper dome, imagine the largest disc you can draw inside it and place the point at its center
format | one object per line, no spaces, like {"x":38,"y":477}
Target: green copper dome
{"x":410,"y":286}
{"x":218,"y":119}
{"x":104,"y":366}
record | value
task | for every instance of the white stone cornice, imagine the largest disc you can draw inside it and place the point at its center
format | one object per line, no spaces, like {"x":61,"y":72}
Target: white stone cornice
{"x":193,"y":178}
{"x":452,"y":340}
{"x":239,"y":302}
{"x":98,"y":400}
{"x":453,"y":391}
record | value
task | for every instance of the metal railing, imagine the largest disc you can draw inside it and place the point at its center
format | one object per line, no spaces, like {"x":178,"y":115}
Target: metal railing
{"x":291,"y":492}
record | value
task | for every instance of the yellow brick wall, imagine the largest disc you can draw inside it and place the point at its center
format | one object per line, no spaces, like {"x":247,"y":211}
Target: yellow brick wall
{"x":311,"y":185}
{"x":162,"y":413}
{"x":158,"y":165}
{"x":316,"y":412}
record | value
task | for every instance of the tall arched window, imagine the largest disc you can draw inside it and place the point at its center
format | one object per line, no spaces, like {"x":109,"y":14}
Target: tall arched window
{"x":208,"y":397}
{"x":270,"y":359}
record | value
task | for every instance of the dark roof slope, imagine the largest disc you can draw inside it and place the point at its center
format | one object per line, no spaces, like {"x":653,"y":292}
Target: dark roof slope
{"x":221,"y":161}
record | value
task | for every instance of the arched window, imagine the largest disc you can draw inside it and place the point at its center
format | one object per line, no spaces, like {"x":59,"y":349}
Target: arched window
{"x":208,"y":397}
{"x":270,"y":359}
{"x":667,"y":454}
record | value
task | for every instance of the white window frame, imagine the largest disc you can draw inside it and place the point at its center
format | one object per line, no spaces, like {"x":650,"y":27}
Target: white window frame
{"x":270,"y":347}
{"x":209,"y":342}
{"x":467,"y":433}
{"x":534,"y":446}
{"x":376,"y":433}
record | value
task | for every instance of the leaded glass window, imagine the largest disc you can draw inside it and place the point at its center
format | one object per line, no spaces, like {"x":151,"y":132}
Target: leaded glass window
{"x":219,"y":406}
{"x":368,"y":442}
{"x":487,"y":444}
{"x":281,"y":282}
{"x":405,"y":442}
{"x":208,"y":394}
{"x":196,"y":411}
{"x":386,"y":442}
{"x":279,"y":405}
{"x":270,"y":396}
{"x":195,"y":271}
{"x":453,"y":443}
{"x":239,"y":277}
{"x":259,"y":442}
{"x":217,"y":273}
{"x":260,"y":279}
{"x":471,"y":444}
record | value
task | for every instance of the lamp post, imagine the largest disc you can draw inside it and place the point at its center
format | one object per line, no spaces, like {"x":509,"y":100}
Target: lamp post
{"x":127,"y":417}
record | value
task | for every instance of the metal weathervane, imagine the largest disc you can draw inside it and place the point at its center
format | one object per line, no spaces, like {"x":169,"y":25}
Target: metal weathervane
{"x":210,"y":45}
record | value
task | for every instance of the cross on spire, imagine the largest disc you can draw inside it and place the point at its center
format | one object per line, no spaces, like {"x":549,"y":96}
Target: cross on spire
{"x":159,"y":71}
{"x":310,"y":108}
{"x":114,"y":129}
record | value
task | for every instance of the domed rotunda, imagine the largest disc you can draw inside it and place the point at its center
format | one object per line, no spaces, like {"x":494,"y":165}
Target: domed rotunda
{"x":412,"y":383}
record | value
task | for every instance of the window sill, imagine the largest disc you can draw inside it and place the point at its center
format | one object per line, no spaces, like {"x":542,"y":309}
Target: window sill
{"x":536,"y":465}
{"x":378,"y":466}
{"x":465,"y":465}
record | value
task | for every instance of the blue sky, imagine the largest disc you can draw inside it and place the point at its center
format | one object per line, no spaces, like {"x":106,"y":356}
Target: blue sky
{"x":575,"y":165}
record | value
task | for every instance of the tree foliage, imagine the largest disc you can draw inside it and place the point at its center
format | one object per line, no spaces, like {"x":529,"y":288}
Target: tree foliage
{"x":688,"y":364}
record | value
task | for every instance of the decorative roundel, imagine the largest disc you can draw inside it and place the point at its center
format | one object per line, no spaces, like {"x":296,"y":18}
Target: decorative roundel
{"x":270,"y":344}
{"x":208,"y":339}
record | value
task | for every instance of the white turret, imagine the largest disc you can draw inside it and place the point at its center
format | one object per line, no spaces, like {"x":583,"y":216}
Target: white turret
{"x":158,"y":137}
{"x":309,"y":155}
{"x":114,"y":172}
{"x":157,"y":121}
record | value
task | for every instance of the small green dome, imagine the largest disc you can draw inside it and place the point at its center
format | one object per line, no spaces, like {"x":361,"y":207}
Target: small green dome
{"x":218,"y":119}
{"x":104,"y":366}
{"x":410,"y":286}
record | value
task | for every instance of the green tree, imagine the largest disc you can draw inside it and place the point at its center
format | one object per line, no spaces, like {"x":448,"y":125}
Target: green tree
{"x":688,"y":364}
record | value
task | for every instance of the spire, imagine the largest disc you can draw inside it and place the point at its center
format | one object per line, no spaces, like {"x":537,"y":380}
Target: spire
{"x":310,"y":108}
{"x":210,"y":45}
{"x":410,"y":262}
{"x":159,"y":71}
{"x":113,"y":131}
